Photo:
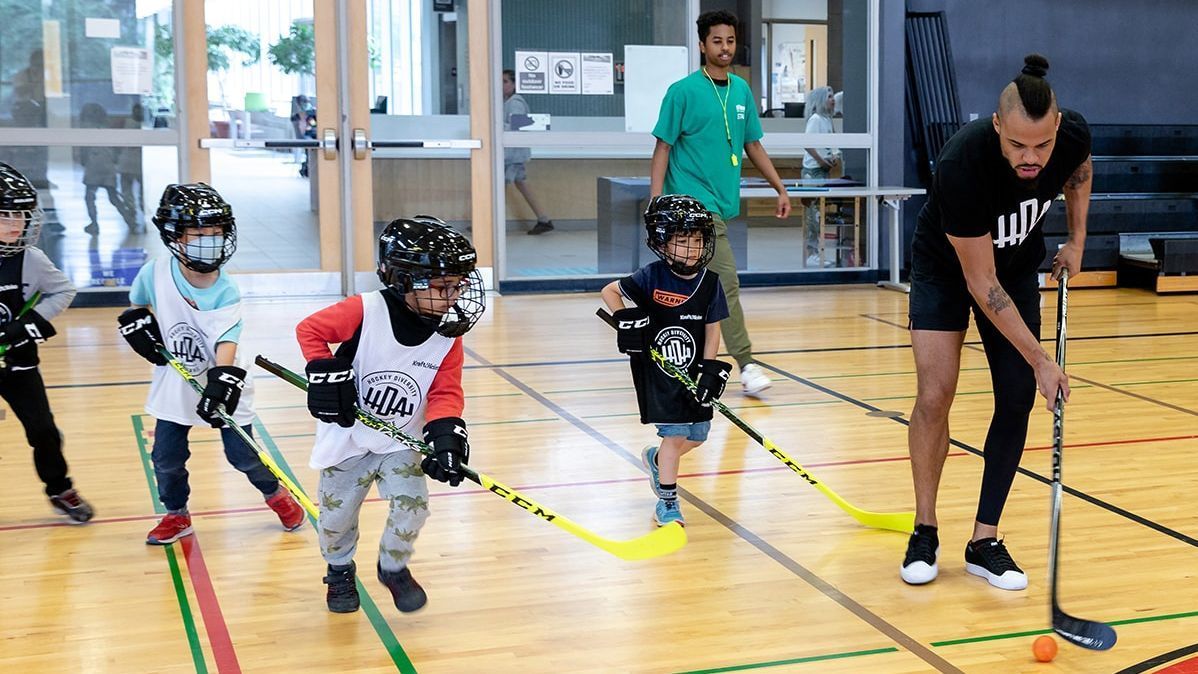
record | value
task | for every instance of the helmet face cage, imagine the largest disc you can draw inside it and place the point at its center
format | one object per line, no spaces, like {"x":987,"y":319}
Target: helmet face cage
{"x":31,"y":231}
{"x":672,"y":215}
{"x":433,"y":266}
{"x":197,"y":226}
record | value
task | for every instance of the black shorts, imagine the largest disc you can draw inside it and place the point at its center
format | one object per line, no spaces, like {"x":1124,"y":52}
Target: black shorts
{"x":942,"y":304}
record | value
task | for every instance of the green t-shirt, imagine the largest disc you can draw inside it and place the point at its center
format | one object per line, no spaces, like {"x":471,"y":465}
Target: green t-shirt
{"x":700,"y":156}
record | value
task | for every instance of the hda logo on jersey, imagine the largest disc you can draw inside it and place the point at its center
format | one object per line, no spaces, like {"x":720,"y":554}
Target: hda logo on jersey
{"x":391,"y":395}
{"x":675,"y":345}
{"x":1014,"y":228}
{"x":188,"y":345}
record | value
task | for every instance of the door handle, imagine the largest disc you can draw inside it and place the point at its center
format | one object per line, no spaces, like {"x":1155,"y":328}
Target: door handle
{"x":328,"y":144}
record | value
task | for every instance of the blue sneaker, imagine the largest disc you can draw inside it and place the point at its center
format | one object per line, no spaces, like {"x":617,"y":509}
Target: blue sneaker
{"x":668,"y":511}
{"x":649,"y":458}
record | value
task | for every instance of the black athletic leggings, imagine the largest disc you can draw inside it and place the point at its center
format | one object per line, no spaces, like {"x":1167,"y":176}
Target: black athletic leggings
{"x":25,"y":393}
{"x":1014,"y":384}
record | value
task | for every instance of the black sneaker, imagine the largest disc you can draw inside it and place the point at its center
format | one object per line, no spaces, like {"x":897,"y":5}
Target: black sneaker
{"x":541,"y":228}
{"x":988,"y":558}
{"x":406,"y":592}
{"x":923,"y":548}
{"x":342,"y":596}
{"x":71,"y":504}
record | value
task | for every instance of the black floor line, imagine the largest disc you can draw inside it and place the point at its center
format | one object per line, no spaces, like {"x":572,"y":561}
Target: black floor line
{"x":1139,"y":519}
{"x":824,"y":587}
{"x":1159,"y":660}
{"x":1138,"y":396}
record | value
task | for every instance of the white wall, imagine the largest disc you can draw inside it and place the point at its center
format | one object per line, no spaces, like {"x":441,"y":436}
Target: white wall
{"x":809,"y":10}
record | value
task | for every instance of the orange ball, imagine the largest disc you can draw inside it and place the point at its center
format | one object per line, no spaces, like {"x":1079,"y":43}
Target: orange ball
{"x":1044,"y":648}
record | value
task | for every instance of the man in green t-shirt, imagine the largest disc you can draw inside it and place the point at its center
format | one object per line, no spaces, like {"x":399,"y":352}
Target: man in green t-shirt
{"x":708,"y":120}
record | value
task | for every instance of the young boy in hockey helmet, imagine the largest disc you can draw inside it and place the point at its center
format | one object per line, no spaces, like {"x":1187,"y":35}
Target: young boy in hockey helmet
{"x":678,"y":308}
{"x":400,"y":358}
{"x":199,"y":306}
{"x":25,"y":271}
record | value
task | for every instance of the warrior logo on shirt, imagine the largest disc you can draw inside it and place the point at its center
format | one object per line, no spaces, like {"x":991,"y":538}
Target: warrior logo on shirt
{"x":675,"y":345}
{"x":392,"y":395}
{"x":667,"y":299}
{"x":1014,"y":228}
{"x":188,"y":345}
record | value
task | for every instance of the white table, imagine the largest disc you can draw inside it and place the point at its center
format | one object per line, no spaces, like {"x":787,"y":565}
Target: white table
{"x":890,"y":197}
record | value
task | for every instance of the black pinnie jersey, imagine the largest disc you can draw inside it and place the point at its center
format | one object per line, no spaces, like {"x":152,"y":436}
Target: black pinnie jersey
{"x":12,"y":296}
{"x":976,"y":192}
{"x":677,"y":330}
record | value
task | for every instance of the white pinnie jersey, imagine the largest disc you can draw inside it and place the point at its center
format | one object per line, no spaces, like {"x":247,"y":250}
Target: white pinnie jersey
{"x":393,"y":384}
{"x":191,"y":335}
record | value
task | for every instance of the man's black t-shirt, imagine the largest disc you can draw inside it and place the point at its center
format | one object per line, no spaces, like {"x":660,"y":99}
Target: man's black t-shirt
{"x":976,"y":192}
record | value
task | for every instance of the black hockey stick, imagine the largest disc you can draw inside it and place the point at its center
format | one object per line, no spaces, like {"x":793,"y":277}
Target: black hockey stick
{"x":1078,"y":631}
{"x":903,"y":521}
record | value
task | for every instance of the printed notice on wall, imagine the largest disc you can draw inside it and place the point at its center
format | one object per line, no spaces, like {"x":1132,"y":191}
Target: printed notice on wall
{"x":532,"y":72}
{"x":563,"y":72}
{"x":132,"y":71}
{"x":598,"y":76}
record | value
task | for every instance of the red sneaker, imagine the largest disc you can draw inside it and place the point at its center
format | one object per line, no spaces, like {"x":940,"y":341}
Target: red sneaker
{"x":290,"y":513}
{"x":170,"y":529}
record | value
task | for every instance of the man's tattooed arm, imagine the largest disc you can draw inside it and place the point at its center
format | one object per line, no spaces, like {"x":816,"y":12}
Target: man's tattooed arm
{"x":1081,"y":175}
{"x":997,"y":299}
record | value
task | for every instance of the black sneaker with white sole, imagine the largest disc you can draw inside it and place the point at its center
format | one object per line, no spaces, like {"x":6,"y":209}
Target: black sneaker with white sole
{"x":988,"y":558}
{"x":923,"y":548}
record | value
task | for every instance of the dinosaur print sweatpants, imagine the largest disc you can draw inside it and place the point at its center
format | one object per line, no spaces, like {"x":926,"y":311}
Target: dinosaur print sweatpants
{"x":345,"y":486}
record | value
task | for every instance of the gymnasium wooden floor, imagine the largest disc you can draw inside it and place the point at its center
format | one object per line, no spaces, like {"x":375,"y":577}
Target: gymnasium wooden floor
{"x":775,"y":578}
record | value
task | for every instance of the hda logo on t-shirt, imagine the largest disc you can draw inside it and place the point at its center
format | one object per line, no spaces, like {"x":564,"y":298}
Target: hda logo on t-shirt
{"x":187,"y":344}
{"x":391,"y":395}
{"x":1014,"y":228}
{"x":675,"y":345}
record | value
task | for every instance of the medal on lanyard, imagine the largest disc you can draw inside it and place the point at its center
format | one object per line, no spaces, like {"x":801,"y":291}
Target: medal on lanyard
{"x":724,"y":106}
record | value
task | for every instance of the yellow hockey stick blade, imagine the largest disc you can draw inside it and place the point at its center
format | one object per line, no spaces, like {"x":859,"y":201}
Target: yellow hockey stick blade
{"x":903,"y":522}
{"x":663,"y":541}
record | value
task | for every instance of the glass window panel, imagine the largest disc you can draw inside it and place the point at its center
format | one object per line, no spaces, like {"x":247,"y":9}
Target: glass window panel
{"x":58,"y":59}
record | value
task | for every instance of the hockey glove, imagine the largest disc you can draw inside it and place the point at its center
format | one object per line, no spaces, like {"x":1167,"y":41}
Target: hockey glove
{"x":332,"y":391}
{"x":28,"y":329}
{"x":713,"y":377}
{"x":632,"y":330}
{"x":139,"y":327}
{"x":225,"y":383}
{"x":447,"y":437}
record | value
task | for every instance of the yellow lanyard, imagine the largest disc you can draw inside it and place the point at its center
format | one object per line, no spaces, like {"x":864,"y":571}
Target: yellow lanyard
{"x":724,"y":105}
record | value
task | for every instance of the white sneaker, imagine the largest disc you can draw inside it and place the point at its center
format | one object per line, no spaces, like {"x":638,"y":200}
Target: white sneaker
{"x":753,"y":379}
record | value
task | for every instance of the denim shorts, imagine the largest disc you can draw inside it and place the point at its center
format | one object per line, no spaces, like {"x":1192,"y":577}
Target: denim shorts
{"x":696,"y":432}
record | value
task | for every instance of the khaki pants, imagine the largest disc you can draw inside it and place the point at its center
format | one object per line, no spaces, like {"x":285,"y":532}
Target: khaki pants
{"x":736,"y":336}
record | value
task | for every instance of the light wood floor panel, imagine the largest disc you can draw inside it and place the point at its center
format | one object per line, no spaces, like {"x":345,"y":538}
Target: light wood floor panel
{"x":774,"y":576}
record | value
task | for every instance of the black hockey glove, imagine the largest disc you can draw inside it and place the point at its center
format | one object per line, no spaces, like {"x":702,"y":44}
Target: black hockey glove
{"x":225,"y":383}
{"x":447,"y":437}
{"x":713,"y":377}
{"x":332,"y":391}
{"x":140,"y":328}
{"x":632,"y":330}
{"x":28,"y":329}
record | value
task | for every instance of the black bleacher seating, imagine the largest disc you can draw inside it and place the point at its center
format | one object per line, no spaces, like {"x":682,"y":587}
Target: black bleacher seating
{"x":1145,"y":181}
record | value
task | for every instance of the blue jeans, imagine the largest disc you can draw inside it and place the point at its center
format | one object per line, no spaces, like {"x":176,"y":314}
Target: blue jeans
{"x":695,"y":432}
{"x":170,"y":456}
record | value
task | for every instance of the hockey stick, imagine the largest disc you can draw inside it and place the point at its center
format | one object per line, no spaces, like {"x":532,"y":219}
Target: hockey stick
{"x":904,"y":522}
{"x":262,"y":455}
{"x":656,"y":543}
{"x":29,"y":304}
{"x":1078,"y":631}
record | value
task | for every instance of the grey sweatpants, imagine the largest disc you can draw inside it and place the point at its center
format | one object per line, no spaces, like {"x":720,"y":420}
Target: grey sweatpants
{"x":343,"y":488}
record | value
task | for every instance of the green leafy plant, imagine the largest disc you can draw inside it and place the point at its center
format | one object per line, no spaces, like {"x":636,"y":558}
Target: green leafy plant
{"x":295,"y":53}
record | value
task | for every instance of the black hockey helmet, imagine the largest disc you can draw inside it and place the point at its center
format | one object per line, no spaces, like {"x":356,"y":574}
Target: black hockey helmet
{"x":415,"y":251}
{"x":672,"y":214}
{"x":18,"y":207}
{"x":185,"y":209}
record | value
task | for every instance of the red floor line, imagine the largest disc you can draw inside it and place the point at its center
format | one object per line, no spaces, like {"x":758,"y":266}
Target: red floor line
{"x":214,"y":620}
{"x":588,"y":483}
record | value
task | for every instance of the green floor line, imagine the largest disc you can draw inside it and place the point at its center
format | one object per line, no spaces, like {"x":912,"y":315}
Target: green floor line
{"x":377,"y":621}
{"x":979,"y":369}
{"x":1031,"y":633}
{"x":793,"y":661}
{"x":1160,"y":381}
{"x":189,"y":624}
